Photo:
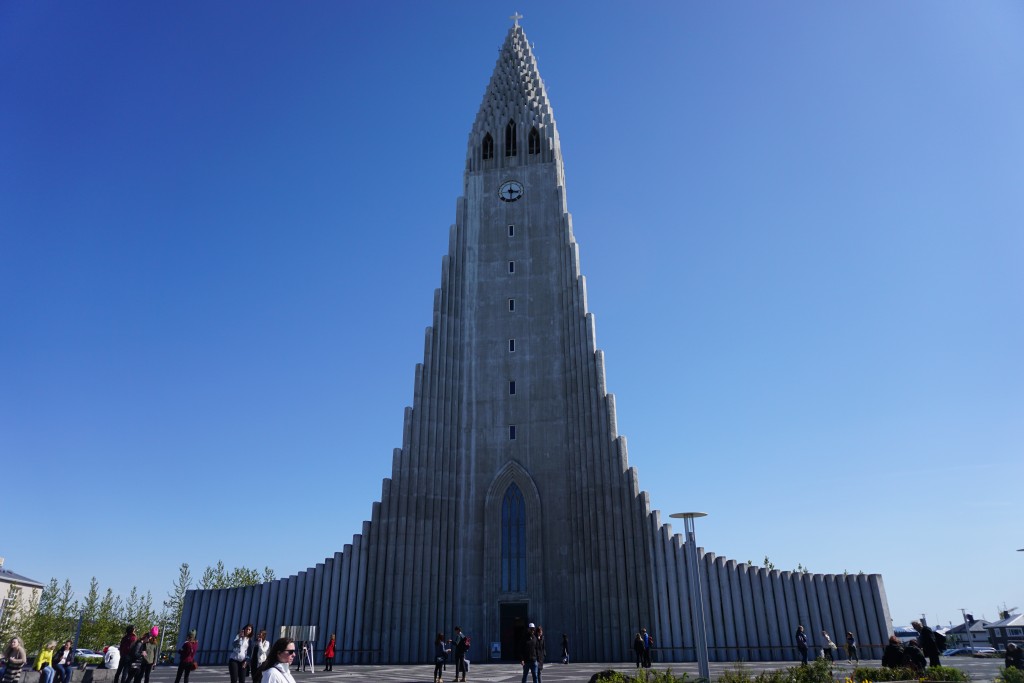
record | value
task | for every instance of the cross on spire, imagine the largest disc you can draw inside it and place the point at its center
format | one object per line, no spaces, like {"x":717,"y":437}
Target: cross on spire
{"x":515,"y":18}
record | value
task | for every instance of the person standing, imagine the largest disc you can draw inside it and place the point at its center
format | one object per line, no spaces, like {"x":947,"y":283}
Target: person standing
{"x":125,"y":650}
{"x":459,"y":645}
{"x":147,"y":659}
{"x":827,"y":646}
{"x":260,"y":648}
{"x":277,"y":667}
{"x":801,"y":644}
{"x":648,"y":642}
{"x":64,"y":661}
{"x":926,"y":639}
{"x":851,"y":648}
{"x":239,"y":656}
{"x":329,"y":653}
{"x":187,"y":661}
{"x":542,"y":653}
{"x":14,"y":659}
{"x":528,"y":657}
{"x":638,"y":649}
{"x":565,"y":649}
{"x":441,"y":651}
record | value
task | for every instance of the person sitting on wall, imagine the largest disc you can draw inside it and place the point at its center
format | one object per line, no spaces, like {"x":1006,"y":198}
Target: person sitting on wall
{"x":915,"y":656}
{"x":894,"y":656}
{"x":1014,"y":657}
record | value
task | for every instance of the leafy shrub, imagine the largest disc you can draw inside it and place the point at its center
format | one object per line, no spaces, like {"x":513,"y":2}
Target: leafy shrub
{"x":643,"y":676}
{"x":1010,"y":675}
{"x":945,"y":673}
{"x":737,"y":675}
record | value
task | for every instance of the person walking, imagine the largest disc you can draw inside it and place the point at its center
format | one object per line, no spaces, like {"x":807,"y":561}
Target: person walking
{"x":926,"y":639}
{"x":239,"y":657}
{"x":542,"y":653}
{"x":565,"y":649}
{"x":801,"y":644}
{"x":125,"y":649}
{"x":827,"y":646}
{"x":459,"y":645}
{"x":528,"y":657}
{"x":329,"y":653}
{"x":277,"y":668}
{"x":260,"y":648}
{"x":187,"y":657}
{"x":441,"y":651}
{"x":14,"y":660}
{"x":64,"y":661}
{"x":851,"y":648}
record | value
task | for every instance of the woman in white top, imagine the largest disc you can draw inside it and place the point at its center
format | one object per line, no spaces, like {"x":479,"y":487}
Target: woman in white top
{"x":275,"y":669}
{"x":239,"y":654}
{"x":259,"y":655}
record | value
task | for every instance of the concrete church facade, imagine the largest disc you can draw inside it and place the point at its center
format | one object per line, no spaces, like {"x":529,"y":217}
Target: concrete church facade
{"x":511,"y":499}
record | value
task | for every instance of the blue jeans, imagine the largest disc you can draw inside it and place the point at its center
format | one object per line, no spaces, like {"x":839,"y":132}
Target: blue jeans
{"x":48,"y":673}
{"x":531,"y":667}
{"x":64,"y":670}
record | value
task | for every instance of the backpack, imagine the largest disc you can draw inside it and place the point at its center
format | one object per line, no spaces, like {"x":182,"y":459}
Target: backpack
{"x":940,"y":640}
{"x":468,"y":641}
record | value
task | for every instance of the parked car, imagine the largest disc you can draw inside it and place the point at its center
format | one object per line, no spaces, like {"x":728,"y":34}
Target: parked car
{"x":968,"y":651}
{"x":87,"y":656}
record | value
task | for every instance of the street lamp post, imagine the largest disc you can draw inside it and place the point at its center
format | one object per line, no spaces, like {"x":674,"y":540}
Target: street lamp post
{"x":693,"y":574}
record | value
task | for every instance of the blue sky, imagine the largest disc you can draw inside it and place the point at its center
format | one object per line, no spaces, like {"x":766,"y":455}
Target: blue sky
{"x":221,"y":225}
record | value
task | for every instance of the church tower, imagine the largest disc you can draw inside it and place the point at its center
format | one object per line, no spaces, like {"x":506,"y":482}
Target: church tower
{"x":511,"y":499}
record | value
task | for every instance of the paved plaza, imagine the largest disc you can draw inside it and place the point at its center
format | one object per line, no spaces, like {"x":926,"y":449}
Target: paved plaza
{"x":980,"y":670}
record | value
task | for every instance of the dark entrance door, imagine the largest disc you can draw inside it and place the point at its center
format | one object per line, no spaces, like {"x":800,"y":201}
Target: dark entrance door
{"x":513,"y":629}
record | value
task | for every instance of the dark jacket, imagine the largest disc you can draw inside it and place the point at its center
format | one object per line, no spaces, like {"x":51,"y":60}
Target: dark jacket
{"x":529,"y":649}
{"x":542,"y":649}
{"x":1014,"y":659}
{"x":894,"y":656}
{"x":926,"y":640}
{"x":915,"y":657}
{"x":460,"y":645}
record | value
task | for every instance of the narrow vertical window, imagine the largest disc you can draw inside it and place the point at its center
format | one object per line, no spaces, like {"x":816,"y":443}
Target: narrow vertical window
{"x":511,"y":432}
{"x":510,"y":139}
{"x":511,"y":266}
{"x":513,"y":540}
{"x":487,"y":148}
{"x":534,"y":141}
{"x":511,"y":231}
{"x":511,"y":345}
{"x":512,"y":388}
{"x":511,"y":304}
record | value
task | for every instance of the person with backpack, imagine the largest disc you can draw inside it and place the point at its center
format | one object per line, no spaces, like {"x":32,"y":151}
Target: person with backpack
{"x":931,"y":643}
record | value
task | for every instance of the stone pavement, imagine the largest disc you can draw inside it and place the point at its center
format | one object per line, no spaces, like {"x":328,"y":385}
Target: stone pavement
{"x":980,"y":670}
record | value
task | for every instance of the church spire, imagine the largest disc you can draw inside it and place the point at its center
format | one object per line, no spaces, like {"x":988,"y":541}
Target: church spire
{"x":516,"y":96}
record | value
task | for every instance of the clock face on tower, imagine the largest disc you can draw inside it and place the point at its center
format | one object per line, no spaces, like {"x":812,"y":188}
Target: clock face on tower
{"x":510,"y":191}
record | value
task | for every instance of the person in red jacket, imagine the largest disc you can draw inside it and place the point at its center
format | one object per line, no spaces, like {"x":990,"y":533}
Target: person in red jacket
{"x":329,"y":655}
{"x":126,"y":649}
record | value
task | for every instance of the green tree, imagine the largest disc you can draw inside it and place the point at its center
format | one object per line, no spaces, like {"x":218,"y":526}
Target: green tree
{"x":109,"y":626}
{"x":174,"y":604}
{"x":90,"y":610}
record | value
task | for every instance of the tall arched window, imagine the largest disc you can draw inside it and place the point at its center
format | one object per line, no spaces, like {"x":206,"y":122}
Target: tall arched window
{"x":534,"y":142}
{"x":513,"y":540}
{"x":488,"y":147}
{"x":510,"y":139}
